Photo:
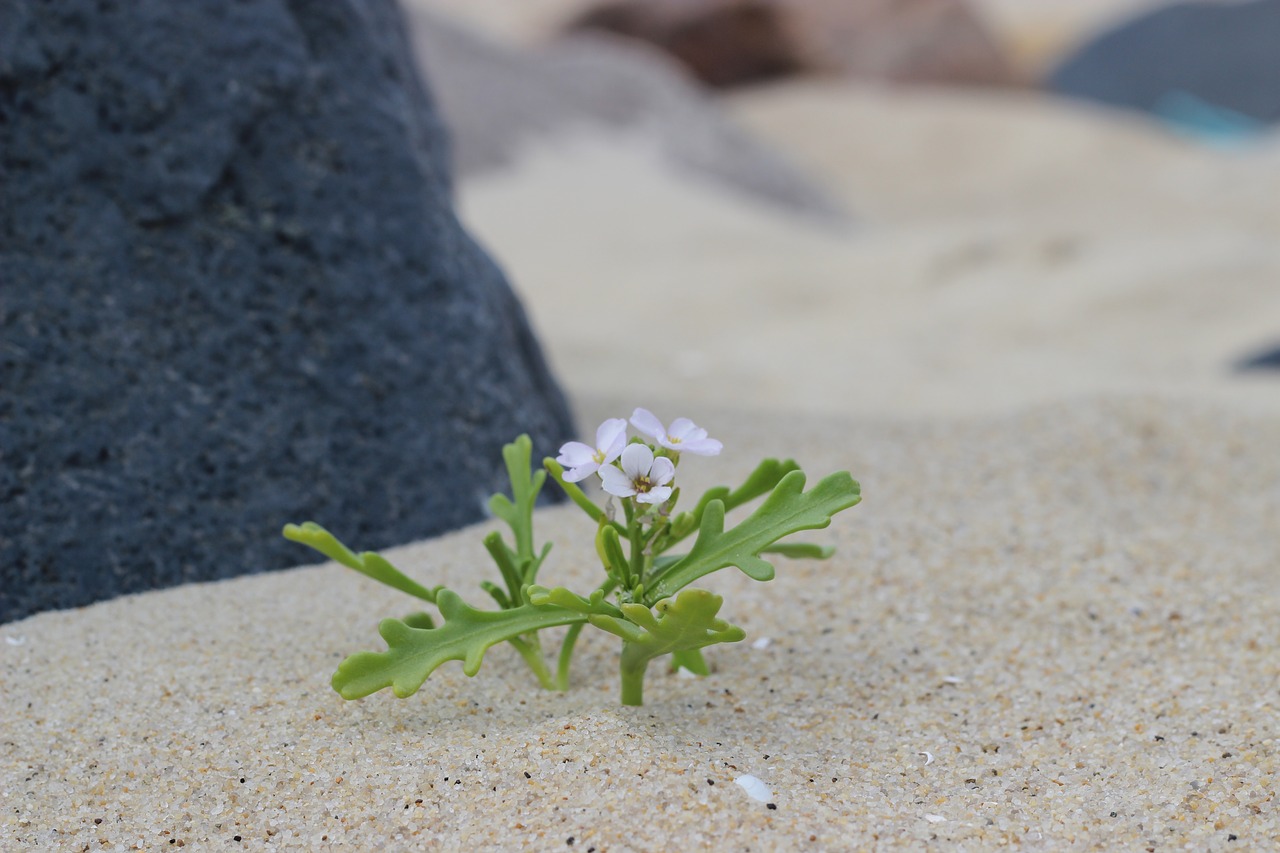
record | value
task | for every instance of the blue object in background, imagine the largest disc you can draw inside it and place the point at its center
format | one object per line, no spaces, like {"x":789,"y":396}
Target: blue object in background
{"x":1197,"y":118}
{"x":1210,"y":69}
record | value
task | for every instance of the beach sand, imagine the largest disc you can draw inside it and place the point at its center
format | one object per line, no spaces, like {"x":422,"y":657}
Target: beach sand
{"x":1054,"y":629}
{"x":1051,"y":623}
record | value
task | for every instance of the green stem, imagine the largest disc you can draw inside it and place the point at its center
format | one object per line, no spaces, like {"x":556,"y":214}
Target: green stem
{"x":633,"y":664}
{"x":637,"y":555}
{"x":532,"y":654}
{"x":566,"y":655}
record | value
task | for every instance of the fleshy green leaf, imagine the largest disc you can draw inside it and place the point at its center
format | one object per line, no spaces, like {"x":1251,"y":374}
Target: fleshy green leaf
{"x":685,"y":622}
{"x":525,"y":485}
{"x":414,"y":653}
{"x":690,"y":659}
{"x":368,"y":564}
{"x":419,"y":620}
{"x":573,"y":490}
{"x":569,"y":600}
{"x":800,"y":550}
{"x":787,"y":510}
{"x":765,"y":477}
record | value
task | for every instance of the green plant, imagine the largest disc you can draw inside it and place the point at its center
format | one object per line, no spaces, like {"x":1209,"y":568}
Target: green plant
{"x":644,"y":599}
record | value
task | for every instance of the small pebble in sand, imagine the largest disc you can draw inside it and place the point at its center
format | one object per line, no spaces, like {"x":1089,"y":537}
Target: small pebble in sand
{"x":755,"y":789}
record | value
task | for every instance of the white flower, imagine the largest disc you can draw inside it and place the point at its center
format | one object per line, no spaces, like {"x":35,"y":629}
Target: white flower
{"x":684,"y":436}
{"x":581,"y":460}
{"x":641,"y":475}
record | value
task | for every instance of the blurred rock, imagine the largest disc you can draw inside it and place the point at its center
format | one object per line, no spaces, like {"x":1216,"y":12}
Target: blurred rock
{"x":1199,"y":65}
{"x":497,"y":100}
{"x":235,"y":295}
{"x":1267,"y":360}
{"x":734,"y":42}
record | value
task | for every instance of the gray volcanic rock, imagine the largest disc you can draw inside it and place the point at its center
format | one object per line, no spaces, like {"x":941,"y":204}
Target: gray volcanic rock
{"x":496,"y":100}
{"x":234,"y":294}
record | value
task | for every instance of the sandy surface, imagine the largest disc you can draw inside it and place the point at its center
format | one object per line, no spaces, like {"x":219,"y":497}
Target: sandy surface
{"x":1005,"y":251}
{"x":1055,"y":629}
{"x":1052,"y":622}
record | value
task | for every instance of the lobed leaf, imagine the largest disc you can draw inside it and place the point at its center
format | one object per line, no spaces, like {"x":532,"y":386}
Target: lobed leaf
{"x":789,"y":509}
{"x":414,"y":653}
{"x":685,"y":622}
{"x":570,"y":600}
{"x":368,"y":563}
{"x":760,"y":481}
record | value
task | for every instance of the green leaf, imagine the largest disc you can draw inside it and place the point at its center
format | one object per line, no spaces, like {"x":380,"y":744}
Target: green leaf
{"x":368,"y":564}
{"x":760,"y":481}
{"x":573,"y":490}
{"x":414,"y":653}
{"x":419,"y":620}
{"x":525,"y":485}
{"x":690,"y":659}
{"x":569,"y":600}
{"x":687,"y":621}
{"x":787,"y":510}
{"x":800,"y":550}
{"x":519,"y":566}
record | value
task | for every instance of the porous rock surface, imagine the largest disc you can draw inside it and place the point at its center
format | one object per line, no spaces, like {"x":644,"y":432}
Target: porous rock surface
{"x":234,"y":294}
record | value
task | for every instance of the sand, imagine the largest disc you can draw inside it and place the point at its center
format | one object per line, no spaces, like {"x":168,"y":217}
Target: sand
{"x":1055,"y":630}
{"x":1051,"y":624}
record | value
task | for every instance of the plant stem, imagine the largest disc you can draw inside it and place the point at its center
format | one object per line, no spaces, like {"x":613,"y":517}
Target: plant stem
{"x":566,"y":655}
{"x":531,"y":651}
{"x":633,"y":664}
{"x":637,"y":555}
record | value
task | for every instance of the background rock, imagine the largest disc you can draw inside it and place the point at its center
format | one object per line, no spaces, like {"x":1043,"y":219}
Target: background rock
{"x":732,"y":42}
{"x":498,"y":101}
{"x":235,"y":295}
{"x":1224,"y":55}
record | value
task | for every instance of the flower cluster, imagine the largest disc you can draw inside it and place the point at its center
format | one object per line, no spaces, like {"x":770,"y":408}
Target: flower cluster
{"x":635,"y":470}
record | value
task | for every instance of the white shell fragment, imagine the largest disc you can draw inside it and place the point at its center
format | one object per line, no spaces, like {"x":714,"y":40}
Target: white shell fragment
{"x":15,"y":641}
{"x":928,"y":757}
{"x":762,"y":643}
{"x":934,"y":818}
{"x":755,"y":789}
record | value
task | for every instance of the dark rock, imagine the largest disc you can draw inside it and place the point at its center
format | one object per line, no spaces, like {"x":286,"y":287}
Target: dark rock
{"x":1222,"y":55}
{"x":1265,"y":360}
{"x":234,"y":294}
{"x":496,"y":100}
{"x":735,"y":42}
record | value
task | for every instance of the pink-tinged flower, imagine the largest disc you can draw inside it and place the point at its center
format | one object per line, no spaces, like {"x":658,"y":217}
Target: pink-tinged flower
{"x":684,"y":436}
{"x":581,"y":460}
{"x":641,"y":475}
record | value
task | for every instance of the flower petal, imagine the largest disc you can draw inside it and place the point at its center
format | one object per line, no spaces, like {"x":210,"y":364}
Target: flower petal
{"x":611,"y":437}
{"x":682,"y":429}
{"x":656,"y":495}
{"x":637,"y":459}
{"x":573,"y":475}
{"x":647,"y":422}
{"x":616,"y":483}
{"x":575,"y":454}
{"x":662,"y":471}
{"x":702,"y":447}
